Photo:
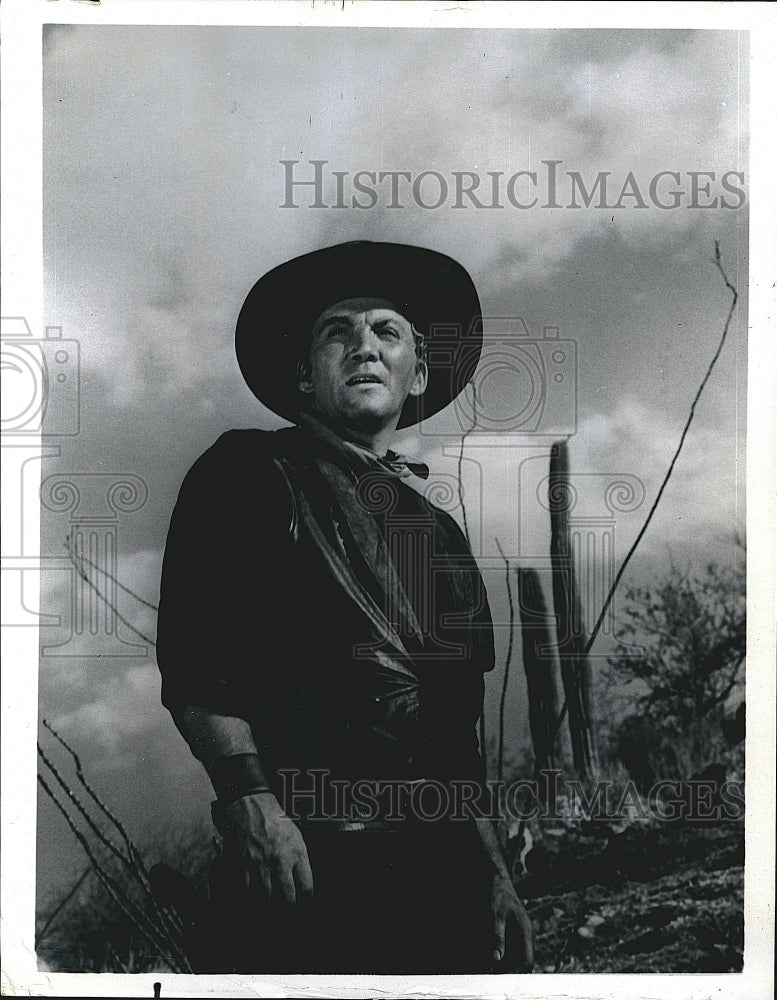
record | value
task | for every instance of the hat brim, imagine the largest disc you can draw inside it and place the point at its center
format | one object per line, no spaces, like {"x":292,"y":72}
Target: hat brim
{"x":430,"y":289}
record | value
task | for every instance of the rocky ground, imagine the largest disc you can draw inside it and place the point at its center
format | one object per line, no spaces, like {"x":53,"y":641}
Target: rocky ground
{"x":637,"y":897}
{"x":663,"y":899}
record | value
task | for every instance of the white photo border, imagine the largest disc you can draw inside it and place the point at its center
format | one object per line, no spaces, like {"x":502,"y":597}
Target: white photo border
{"x":22,"y":296}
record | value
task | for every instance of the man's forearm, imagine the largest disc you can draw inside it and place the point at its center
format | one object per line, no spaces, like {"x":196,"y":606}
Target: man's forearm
{"x":266,"y":846}
{"x":491,"y":846}
{"x":225,"y":746}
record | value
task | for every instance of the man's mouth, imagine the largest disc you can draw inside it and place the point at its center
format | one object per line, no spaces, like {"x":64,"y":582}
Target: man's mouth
{"x":364,"y":380}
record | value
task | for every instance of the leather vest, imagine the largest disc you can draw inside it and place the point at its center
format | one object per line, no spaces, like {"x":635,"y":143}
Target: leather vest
{"x":341,"y":614}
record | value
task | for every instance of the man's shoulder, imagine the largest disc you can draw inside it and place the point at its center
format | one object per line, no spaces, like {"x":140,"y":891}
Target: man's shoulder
{"x":240,"y":448}
{"x":252,"y":438}
{"x":241,"y":459}
{"x":238,"y":476}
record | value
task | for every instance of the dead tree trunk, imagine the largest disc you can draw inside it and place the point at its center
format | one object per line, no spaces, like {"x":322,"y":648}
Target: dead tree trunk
{"x":571,"y":638}
{"x":539,"y":666}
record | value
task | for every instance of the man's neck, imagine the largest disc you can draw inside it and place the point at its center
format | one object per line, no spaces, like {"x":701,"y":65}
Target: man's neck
{"x":377,"y":440}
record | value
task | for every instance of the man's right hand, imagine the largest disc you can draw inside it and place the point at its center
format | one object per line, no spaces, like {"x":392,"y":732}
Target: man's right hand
{"x":269,"y":847}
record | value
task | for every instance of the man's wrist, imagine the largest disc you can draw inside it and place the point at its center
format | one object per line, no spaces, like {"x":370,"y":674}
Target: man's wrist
{"x":238,"y":775}
{"x":211,"y":735}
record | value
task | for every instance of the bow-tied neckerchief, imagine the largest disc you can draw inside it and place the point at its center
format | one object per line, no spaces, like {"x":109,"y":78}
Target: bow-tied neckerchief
{"x":348,"y":464}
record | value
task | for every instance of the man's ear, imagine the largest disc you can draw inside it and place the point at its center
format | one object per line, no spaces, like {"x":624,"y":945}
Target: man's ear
{"x":418,"y":388}
{"x":304,"y":383}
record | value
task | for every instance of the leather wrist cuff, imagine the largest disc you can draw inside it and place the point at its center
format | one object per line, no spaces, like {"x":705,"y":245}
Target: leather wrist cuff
{"x":234,"y":777}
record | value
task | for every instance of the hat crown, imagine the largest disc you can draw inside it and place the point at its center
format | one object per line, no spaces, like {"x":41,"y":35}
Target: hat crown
{"x":431,"y":289}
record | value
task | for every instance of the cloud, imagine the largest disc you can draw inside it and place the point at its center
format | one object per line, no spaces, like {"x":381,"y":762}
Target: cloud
{"x":174,"y":209}
{"x":161,"y":204}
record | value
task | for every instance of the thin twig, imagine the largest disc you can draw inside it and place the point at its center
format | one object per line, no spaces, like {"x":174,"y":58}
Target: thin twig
{"x":578,"y":674}
{"x":464,"y":437}
{"x":134,"y":861}
{"x":96,"y":799}
{"x":136,"y":870}
{"x":117,"y":893}
{"x":80,"y":808}
{"x":82,"y":573}
{"x":508,"y":661}
{"x":111,"y":955}
{"x":100,"y":569}
{"x":59,"y":908}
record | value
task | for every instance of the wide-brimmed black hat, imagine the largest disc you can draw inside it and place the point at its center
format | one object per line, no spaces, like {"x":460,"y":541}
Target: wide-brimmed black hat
{"x":430,"y":289}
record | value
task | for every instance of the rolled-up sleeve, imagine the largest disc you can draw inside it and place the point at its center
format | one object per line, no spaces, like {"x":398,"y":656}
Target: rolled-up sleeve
{"x":221,"y":581}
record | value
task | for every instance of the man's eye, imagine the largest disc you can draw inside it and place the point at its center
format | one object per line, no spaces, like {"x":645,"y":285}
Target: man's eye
{"x":336,"y":331}
{"x":390,"y":331}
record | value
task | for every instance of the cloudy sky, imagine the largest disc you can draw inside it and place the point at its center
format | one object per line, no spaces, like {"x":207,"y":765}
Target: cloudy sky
{"x":163,"y":188}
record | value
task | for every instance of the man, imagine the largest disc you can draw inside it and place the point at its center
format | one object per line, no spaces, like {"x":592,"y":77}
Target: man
{"x":323,"y":634}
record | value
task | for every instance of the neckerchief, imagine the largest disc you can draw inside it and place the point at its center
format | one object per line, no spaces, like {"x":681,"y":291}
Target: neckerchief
{"x":353,"y":474}
{"x":361,"y":458}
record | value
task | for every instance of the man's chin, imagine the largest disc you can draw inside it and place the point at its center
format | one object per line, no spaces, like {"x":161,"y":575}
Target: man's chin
{"x":373,"y":418}
{"x":369,"y":403}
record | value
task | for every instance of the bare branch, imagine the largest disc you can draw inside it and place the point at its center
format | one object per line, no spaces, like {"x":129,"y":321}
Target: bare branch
{"x":464,"y":436}
{"x":82,"y":573}
{"x":508,"y":662}
{"x":101,"y":569}
{"x":60,"y":907}
{"x":133,"y":862}
{"x":138,"y":919}
{"x":665,"y":481}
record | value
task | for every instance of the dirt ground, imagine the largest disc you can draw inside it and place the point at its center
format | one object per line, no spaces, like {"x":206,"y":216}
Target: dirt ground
{"x":664,"y":899}
{"x":636,"y":898}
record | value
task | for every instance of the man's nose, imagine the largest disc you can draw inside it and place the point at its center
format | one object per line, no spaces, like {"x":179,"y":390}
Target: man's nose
{"x":365,"y":346}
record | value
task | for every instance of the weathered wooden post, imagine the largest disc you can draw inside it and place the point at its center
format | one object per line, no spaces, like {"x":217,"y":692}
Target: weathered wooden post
{"x":539,"y":666}
{"x":571,"y":638}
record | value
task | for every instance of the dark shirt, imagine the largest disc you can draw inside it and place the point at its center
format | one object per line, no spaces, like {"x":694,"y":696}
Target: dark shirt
{"x":323,"y":600}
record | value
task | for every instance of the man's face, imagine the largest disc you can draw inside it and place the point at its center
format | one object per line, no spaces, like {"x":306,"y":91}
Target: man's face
{"x":363,"y":363}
